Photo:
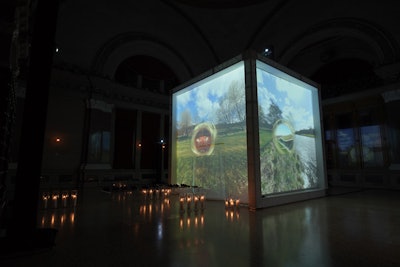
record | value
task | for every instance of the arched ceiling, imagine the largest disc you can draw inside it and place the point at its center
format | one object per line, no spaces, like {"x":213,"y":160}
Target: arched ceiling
{"x":193,"y":36}
{"x":346,"y":75}
{"x":218,"y":3}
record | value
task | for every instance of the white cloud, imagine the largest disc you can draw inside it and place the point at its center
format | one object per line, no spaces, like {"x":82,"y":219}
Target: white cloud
{"x":301,"y":118}
{"x":204,"y":104}
{"x":264,"y":99}
{"x":294,"y":92}
{"x":184,"y":98}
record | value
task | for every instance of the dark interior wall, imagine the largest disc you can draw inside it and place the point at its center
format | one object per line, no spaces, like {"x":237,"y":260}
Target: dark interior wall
{"x":166,"y":138}
{"x":65,"y":119}
{"x":150,"y":138}
{"x":393,"y":125}
{"x":124,"y":141}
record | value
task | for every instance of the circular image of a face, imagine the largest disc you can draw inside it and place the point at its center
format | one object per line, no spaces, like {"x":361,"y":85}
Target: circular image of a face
{"x":203,"y":139}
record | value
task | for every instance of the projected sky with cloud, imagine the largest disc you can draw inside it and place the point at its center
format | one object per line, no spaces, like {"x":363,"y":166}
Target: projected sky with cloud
{"x":209,"y":135}
{"x":294,"y":101}
{"x":203,"y":99}
{"x":287,"y":110}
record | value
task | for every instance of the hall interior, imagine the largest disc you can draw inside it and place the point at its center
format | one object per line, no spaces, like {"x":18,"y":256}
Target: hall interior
{"x":85,"y":100}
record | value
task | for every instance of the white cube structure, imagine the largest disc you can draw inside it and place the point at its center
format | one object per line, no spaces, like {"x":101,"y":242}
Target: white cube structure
{"x":249,"y":129}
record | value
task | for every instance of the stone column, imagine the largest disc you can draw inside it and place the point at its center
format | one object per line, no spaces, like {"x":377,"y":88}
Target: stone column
{"x":22,"y":228}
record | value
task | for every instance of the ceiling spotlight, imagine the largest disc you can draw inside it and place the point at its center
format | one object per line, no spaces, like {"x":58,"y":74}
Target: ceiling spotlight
{"x":268,"y":51}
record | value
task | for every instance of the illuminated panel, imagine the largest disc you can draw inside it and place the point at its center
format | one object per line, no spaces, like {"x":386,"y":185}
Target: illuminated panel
{"x":209,"y":135}
{"x":289,"y":132}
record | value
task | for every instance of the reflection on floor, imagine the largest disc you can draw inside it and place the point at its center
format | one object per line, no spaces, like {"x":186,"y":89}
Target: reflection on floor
{"x":130,"y":229}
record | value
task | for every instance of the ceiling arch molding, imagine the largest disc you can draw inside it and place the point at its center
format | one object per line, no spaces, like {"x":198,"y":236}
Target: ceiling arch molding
{"x":219,"y":4}
{"x":369,"y":43}
{"x":196,"y":27}
{"x":269,"y":16}
{"x":126,"y":45}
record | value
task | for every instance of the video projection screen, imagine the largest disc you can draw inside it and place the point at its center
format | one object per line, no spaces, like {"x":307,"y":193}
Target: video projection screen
{"x":289,"y":132}
{"x":209,"y":147}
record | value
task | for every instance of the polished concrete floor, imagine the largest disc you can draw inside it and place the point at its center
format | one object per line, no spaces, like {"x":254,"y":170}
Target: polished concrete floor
{"x":126,"y":229}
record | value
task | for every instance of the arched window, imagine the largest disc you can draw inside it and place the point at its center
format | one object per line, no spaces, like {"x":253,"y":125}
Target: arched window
{"x":146,"y":72}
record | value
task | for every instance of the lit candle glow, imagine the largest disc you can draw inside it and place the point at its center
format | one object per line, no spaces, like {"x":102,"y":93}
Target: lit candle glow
{"x":202,"y":200}
{"x":181,"y":203}
{"x":189,"y":202}
{"x":54,"y":197}
{"x":196,"y":200}
{"x":74,"y":197}
{"x":232,"y":203}
{"x":45,"y":198}
{"x":64,"y":198}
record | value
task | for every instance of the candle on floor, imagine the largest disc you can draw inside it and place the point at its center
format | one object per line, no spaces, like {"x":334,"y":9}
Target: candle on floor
{"x":181,"y":203}
{"x":189,"y":202}
{"x":237,"y":202}
{"x":202,"y":200}
{"x":55,"y":200}
{"x":196,"y":200}
{"x":64,"y":198}
{"x":74,"y":197}
{"x":231,"y":203}
{"x":45,"y":198}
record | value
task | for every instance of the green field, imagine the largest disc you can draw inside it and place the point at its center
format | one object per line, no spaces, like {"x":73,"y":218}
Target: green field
{"x":265,"y":137}
{"x":280,"y":172}
{"x":224,"y":172}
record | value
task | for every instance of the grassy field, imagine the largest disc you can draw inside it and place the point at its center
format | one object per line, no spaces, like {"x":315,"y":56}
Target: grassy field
{"x":280,"y":172}
{"x":225,"y":171}
{"x":265,"y":137}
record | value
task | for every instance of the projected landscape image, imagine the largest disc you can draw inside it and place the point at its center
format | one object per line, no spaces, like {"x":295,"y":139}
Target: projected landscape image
{"x":287,"y":132}
{"x":209,"y":135}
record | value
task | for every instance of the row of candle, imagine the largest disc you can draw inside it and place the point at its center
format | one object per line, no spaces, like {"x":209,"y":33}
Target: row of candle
{"x":232,"y":203}
{"x":185,"y":202}
{"x":119,"y":186}
{"x":55,"y":197}
{"x":163,"y":192}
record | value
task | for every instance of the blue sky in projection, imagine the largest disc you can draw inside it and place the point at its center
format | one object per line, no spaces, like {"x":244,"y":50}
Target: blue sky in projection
{"x":294,"y":101}
{"x":202,"y":98}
